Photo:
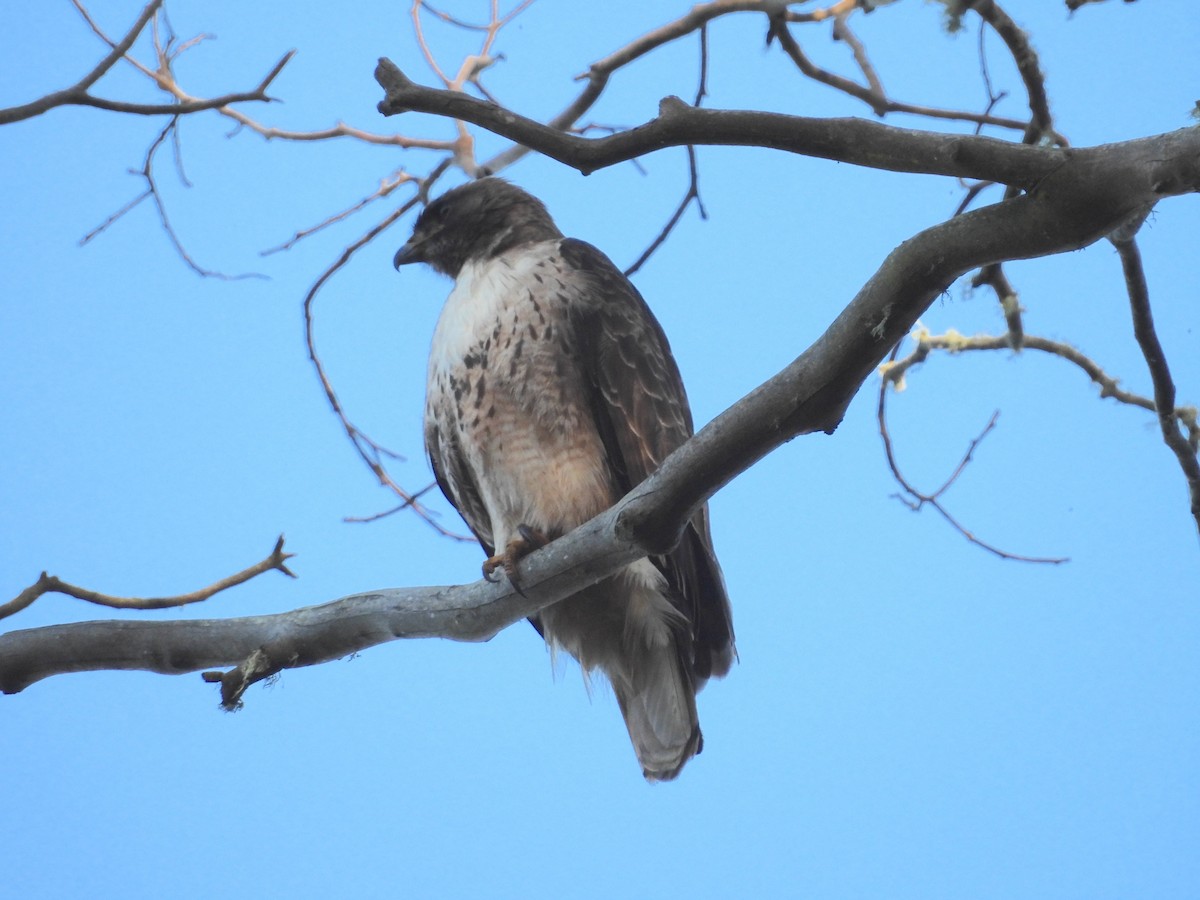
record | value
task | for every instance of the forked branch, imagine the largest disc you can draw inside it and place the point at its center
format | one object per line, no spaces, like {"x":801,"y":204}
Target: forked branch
{"x":79,"y":94}
{"x":47,"y":584}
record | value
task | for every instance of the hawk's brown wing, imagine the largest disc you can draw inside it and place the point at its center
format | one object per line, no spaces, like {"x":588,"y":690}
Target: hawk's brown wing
{"x":454,"y":478}
{"x":642,"y":414}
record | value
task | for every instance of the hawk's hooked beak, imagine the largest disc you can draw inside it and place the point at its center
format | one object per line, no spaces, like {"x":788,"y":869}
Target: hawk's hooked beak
{"x":409,"y":253}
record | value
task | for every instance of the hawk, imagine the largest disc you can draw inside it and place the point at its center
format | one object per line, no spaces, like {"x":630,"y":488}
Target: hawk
{"x":552,"y":392}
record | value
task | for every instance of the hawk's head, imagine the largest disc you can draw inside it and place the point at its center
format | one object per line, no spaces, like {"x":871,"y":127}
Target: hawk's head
{"x":476,"y":221}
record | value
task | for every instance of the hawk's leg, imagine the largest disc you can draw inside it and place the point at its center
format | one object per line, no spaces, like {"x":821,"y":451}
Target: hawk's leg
{"x":529,"y":539}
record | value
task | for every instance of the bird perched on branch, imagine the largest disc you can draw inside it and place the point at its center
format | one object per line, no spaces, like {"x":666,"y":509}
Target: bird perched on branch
{"x":552,"y":393}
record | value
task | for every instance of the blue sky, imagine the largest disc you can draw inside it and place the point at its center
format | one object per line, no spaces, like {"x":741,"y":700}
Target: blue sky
{"x":910,"y":717}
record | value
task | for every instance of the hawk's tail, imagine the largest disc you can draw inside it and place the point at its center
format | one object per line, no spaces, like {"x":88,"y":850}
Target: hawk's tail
{"x":653,"y":684}
{"x":658,"y":702}
{"x":627,"y":627}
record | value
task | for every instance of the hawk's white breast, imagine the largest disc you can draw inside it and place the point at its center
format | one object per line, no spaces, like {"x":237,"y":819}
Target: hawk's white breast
{"x":484,"y":295}
{"x":506,"y":396}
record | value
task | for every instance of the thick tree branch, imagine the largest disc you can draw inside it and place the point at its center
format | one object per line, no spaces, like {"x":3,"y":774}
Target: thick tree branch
{"x":317,"y":634}
{"x":1087,"y":197}
{"x":845,"y":140}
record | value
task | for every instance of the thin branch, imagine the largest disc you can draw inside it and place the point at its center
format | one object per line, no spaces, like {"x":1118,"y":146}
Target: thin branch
{"x":359,"y":520}
{"x":163,"y":78}
{"x":1010,"y":305}
{"x":147,"y":173}
{"x":191,"y":104}
{"x":340,"y":130}
{"x":1160,"y":373}
{"x":451,"y":20}
{"x":953,"y":342}
{"x":426,"y":52}
{"x":693,"y":190}
{"x":46,"y":584}
{"x":78,"y":95}
{"x":119,"y":50}
{"x":599,"y":72}
{"x":1073,"y":5}
{"x":368,"y":450}
{"x":968,"y":456}
{"x":99,"y":229}
{"x":692,"y":194}
{"x":386,"y":186}
{"x":971,"y":195}
{"x":915,"y":499}
{"x":1026,"y":59}
{"x":80,"y":88}
{"x":842,"y":32}
{"x":872,"y":95}
{"x":993,"y":96}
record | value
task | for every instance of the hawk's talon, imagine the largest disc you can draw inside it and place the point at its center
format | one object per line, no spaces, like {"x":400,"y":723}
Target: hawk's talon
{"x":529,"y":539}
{"x":490,"y":565}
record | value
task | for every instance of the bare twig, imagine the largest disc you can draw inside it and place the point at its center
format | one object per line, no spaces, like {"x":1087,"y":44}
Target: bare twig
{"x":692,"y":194}
{"x":1017,"y":41}
{"x":993,"y":96}
{"x":993,"y":276}
{"x":368,"y":450}
{"x":46,"y":584}
{"x":916,"y":499}
{"x":358,"y":520}
{"x":385,"y":189}
{"x":1160,"y":373}
{"x":114,"y":217}
{"x":872,"y":94}
{"x":1073,"y":5}
{"x":693,"y":190}
{"x":599,"y":72}
{"x":972,"y":193}
{"x":842,"y":32}
{"x":78,"y":94}
{"x":80,"y":88}
{"x":452,"y":20}
{"x":152,"y":191}
{"x":340,"y":130}
{"x":953,"y":342}
{"x":162,"y":76}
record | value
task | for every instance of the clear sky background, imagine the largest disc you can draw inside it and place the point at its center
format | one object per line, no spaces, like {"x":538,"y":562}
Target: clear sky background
{"x":911,"y":717}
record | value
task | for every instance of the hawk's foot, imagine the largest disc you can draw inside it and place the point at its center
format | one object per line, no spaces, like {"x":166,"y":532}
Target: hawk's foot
{"x":529,"y":539}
